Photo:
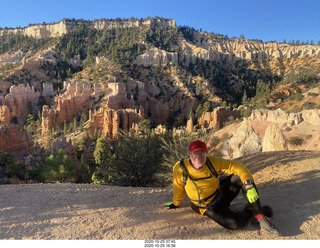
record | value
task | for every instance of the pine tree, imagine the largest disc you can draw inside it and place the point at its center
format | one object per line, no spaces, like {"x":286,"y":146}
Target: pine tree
{"x":199,"y":111}
{"x":101,"y":151}
{"x":244,"y":98}
{"x":74,"y":124}
{"x":65,"y":128}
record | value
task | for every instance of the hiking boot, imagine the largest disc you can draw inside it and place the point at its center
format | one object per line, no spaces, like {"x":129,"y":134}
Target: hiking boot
{"x":267,"y":227}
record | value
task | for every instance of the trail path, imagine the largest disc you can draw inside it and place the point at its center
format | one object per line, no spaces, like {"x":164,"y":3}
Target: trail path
{"x":288,"y":181}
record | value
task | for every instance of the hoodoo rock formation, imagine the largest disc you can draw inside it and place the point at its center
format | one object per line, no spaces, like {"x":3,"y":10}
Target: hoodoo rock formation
{"x":217,"y":118}
{"x":120,"y":111}
{"x":66,"y":107}
{"x":124,"y":119}
{"x":14,"y":107}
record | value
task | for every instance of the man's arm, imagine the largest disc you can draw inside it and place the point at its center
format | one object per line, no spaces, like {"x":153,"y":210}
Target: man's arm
{"x":232,"y":167}
{"x":178,"y":187}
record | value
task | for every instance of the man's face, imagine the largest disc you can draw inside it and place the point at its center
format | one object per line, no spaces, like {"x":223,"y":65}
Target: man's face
{"x":198,"y":158}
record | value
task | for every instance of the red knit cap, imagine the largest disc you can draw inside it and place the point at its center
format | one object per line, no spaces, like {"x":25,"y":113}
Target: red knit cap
{"x":198,"y":145}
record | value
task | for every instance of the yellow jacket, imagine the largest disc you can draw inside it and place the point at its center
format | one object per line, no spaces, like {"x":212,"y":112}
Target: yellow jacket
{"x":206,"y":187}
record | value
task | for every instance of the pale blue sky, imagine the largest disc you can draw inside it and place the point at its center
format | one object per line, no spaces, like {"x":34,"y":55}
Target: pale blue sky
{"x":255,"y":19}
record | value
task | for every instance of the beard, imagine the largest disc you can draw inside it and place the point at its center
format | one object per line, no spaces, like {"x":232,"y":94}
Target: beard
{"x":197,"y":164}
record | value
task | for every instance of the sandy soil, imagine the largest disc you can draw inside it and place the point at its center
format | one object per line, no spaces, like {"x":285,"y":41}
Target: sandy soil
{"x":288,"y":181}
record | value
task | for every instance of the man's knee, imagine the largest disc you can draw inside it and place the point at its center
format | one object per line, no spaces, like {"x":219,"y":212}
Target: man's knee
{"x":232,"y":184}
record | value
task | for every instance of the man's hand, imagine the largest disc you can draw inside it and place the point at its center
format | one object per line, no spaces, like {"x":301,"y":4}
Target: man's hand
{"x":170,"y":205}
{"x":252,"y":195}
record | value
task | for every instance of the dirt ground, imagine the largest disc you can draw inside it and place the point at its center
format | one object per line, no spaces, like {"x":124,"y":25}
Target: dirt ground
{"x":288,"y":181}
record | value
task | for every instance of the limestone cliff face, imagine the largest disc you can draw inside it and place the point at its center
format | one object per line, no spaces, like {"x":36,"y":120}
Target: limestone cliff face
{"x":155,"y":56}
{"x":279,"y":116}
{"x":118,"y":109}
{"x":312,"y":116}
{"x":43,"y":31}
{"x":111,"y":121}
{"x":231,"y":52}
{"x":256,"y":50}
{"x":108,"y":24}
{"x":119,"y":98}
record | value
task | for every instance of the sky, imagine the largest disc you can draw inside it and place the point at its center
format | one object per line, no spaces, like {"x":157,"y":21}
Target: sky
{"x":266,"y":20}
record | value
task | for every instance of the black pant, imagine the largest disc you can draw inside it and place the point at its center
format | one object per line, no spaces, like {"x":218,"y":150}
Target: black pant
{"x":218,"y":210}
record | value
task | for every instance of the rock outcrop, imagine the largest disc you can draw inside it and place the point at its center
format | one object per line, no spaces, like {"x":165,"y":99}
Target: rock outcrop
{"x":312,"y":116}
{"x":266,"y":125}
{"x":109,"y":24}
{"x":43,"y":31}
{"x":124,"y":119}
{"x":66,"y":144}
{"x":74,"y":101}
{"x":190,"y":127}
{"x":39,"y":59}
{"x":244,"y":142}
{"x":273,"y":139}
{"x":118,"y":97}
{"x":155,"y":56}
{"x":217,"y":118}
{"x":120,"y":111}
{"x":230,"y":52}
{"x":279,"y":116}
{"x":15,"y":106}
{"x":13,"y":139}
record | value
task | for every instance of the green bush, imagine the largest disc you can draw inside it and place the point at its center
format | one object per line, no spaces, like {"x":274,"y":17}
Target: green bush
{"x":59,"y":167}
{"x":309,"y":105}
{"x":295,"y":141}
{"x":295,"y":97}
{"x":9,"y":169}
{"x":175,"y":147}
{"x":133,"y":161}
